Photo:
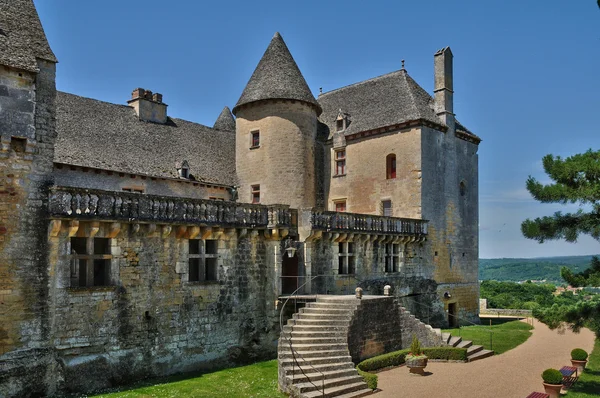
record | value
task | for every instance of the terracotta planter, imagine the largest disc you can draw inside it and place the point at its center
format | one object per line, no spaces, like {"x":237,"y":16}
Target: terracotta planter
{"x":417,"y":366}
{"x":580,"y":366}
{"x":553,"y":390}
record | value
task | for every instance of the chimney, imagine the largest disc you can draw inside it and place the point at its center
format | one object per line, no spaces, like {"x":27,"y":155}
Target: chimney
{"x":149,"y":107}
{"x":443,"y":87}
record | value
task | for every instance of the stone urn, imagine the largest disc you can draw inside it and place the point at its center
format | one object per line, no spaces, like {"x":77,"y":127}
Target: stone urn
{"x":553,"y":390}
{"x":580,"y":365}
{"x":417,"y":365}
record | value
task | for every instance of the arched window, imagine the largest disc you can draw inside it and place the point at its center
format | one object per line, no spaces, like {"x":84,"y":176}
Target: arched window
{"x":390,"y":167}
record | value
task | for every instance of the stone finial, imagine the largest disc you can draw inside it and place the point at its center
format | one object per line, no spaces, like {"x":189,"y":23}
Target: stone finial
{"x":359,"y":292}
{"x":386,"y":290}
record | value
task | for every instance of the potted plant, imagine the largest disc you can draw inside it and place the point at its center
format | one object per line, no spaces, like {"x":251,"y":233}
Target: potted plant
{"x":552,"y":382}
{"x":579,"y":359}
{"x":416,"y":361}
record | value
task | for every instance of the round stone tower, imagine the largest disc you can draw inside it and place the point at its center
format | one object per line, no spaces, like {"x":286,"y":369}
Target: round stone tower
{"x":276,"y":126}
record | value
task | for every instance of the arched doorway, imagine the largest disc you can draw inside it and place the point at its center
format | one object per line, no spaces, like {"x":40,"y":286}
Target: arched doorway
{"x":289,"y":274}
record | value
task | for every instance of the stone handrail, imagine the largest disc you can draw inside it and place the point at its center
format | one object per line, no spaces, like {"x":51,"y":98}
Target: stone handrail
{"x":80,"y":203}
{"x":364,"y":223}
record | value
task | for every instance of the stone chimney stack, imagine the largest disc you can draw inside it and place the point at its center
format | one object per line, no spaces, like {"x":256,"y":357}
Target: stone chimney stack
{"x":149,"y":107}
{"x":443,"y":86}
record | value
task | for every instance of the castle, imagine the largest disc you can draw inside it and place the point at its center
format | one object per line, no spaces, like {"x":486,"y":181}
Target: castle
{"x":134,"y":244}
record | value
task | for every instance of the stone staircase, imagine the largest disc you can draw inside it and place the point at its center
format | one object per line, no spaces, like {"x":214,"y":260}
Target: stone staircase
{"x":318,"y":334}
{"x":474,"y":352}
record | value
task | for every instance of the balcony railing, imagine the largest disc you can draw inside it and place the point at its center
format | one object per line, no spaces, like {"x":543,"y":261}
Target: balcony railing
{"x":79,"y":203}
{"x":364,"y":223}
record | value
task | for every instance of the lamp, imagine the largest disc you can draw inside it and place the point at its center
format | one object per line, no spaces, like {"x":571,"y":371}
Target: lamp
{"x":289,"y":248}
{"x":447,"y":295}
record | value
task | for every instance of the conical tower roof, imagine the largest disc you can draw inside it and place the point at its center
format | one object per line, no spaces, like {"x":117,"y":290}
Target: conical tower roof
{"x":277,"y":77}
{"x":225,"y":121}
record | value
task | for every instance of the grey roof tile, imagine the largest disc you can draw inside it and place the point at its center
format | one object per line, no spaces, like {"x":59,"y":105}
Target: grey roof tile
{"x":386,"y":100}
{"x":22,"y":38}
{"x":225,"y":121}
{"x":277,"y":77}
{"x":92,"y":133}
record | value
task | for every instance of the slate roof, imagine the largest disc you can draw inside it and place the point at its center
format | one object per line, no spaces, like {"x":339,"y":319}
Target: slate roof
{"x":92,"y":133}
{"x":22,"y":38}
{"x":461,"y":128}
{"x":225,"y":121}
{"x":277,"y":77}
{"x":386,"y":100}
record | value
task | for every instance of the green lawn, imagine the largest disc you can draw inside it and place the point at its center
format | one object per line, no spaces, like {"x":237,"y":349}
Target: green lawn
{"x":506,"y":334}
{"x":588,"y":385}
{"x":258,"y":381}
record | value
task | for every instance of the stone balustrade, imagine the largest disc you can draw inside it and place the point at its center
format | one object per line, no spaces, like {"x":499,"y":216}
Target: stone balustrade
{"x":331,"y":221}
{"x":79,"y":203}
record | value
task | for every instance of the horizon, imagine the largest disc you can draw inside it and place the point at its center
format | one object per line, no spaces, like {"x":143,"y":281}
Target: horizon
{"x":524,"y":75}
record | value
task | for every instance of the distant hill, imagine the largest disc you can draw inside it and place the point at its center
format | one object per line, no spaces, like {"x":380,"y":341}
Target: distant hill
{"x":522,"y":269}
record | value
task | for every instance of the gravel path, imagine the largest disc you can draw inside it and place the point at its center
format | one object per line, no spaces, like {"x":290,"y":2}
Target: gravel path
{"x":515,"y":373}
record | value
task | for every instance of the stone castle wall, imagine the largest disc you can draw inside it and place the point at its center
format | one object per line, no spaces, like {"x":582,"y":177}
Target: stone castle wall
{"x":27,"y":121}
{"x":283,"y":164}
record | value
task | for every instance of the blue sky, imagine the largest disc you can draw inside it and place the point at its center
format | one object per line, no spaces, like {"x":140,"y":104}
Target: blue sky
{"x":526,"y":73}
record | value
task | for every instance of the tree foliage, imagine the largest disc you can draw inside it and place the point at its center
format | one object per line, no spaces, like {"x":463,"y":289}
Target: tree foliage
{"x":576,"y":180}
{"x":588,"y":277}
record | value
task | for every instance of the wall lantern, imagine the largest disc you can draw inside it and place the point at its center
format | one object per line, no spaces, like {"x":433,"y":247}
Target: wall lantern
{"x":289,"y":248}
{"x":447,"y":295}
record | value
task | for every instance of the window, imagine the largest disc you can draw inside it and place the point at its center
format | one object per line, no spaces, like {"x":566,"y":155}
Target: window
{"x":346,"y":258}
{"x":340,"y":163}
{"x":255,"y":193}
{"x":390,"y":167}
{"x":90,"y":262}
{"x":255,"y":139}
{"x":340,"y":206}
{"x":386,"y":208}
{"x":339,"y":125}
{"x":202,"y":260}
{"x":392,"y":257}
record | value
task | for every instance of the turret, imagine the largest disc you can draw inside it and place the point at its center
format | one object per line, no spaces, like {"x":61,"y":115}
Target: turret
{"x":276,"y":125}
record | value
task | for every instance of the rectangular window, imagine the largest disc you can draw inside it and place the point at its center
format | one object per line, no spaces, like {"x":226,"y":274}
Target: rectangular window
{"x":386,"y":208}
{"x":392,"y":257}
{"x":255,"y":189}
{"x":90,"y":262}
{"x":340,"y":163}
{"x":202,"y":260}
{"x":346,"y":263}
{"x":255,"y":139}
{"x":339,"y":125}
{"x":340,"y":206}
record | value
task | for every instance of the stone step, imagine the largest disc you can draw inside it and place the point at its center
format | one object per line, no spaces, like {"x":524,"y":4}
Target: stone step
{"x":464,"y":344}
{"x":340,"y":316}
{"x":315,"y":328}
{"x":474,"y":349}
{"x":318,"y":340}
{"x":286,"y":353}
{"x":315,"y":347}
{"x":325,"y":310}
{"x":480,"y":355}
{"x":338,"y":305}
{"x":344,"y":391}
{"x":349,"y":299}
{"x":330,"y":383}
{"x":288,"y":362}
{"x":315,"y":376}
{"x":438,"y":331}
{"x":320,"y":322}
{"x":446,"y":337}
{"x":309,"y":367}
{"x":325,"y":333}
{"x":454,"y":341}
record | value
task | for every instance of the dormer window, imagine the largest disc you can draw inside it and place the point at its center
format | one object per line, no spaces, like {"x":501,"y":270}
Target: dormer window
{"x":339,"y":125}
{"x":183,"y":169}
{"x":341,"y":122}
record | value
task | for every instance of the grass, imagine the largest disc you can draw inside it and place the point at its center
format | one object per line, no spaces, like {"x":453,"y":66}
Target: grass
{"x":588,"y":384}
{"x":257,"y":381}
{"x":506,"y":335}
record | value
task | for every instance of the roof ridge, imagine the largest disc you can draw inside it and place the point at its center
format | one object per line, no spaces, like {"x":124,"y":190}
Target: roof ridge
{"x":410,"y":92}
{"x":361,"y":82}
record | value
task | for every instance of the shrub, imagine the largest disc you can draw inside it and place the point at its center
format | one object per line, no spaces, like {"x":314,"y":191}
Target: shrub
{"x":552,"y":376}
{"x":397,"y":358}
{"x":579,"y":355}
{"x":415,"y":346}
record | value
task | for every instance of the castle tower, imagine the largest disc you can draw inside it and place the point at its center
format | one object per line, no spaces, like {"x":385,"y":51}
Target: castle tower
{"x":276,"y":125}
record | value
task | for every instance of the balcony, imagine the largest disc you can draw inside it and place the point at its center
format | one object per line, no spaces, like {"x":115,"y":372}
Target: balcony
{"x":330,"y":221}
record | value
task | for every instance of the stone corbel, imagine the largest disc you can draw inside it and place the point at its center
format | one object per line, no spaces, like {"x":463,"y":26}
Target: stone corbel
{"x":206,"y":233}
{"x":55,"y":227}
{"x":333,"y":236}
{"x":73,"y":228}
{"x":135,"y":229}
{"x":283,"y":233}
{"x":272,"y":234}
{"x":254,"y":233}
{"x":93,"y":229}
{"x":229,"y":233}
{"x":113,"y":230}
{"x":166,"y":231}
{"x":181,"y":231}
{"x":193,"y":232}
{"x":314,"y":235}
{"x":218,"y":233}
{"x":151,"y":229}
{"x":340,"y":238}
{"x":242,"y":232}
